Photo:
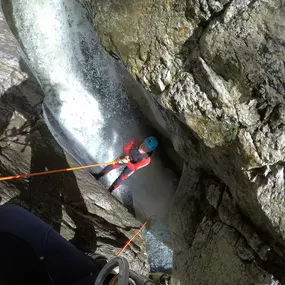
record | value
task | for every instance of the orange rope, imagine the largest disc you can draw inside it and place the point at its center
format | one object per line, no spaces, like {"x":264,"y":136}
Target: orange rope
{"x":54,"y":171}
{"x":72,"y":169}
{"x":131,"y":239}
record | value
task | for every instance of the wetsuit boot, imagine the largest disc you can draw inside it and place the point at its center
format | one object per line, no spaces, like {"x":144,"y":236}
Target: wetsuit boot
{"x":97,"y":176}
{"x":111,"y":188}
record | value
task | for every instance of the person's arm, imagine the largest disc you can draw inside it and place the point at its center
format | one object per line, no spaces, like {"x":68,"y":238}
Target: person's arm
{"x":136,"y":166}
{"x":123,"y":159}
{"x":127,"y":147}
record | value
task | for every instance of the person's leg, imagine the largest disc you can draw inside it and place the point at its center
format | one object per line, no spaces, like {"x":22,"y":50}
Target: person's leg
{"x":127,"y":172}
{"x":106,"y":170}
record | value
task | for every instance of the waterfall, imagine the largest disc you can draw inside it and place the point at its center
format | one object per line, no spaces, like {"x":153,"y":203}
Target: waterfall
{"x":88,"y":109}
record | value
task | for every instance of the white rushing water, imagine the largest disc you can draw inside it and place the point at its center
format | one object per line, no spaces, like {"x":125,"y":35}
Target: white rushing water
{"x":87,"y":108}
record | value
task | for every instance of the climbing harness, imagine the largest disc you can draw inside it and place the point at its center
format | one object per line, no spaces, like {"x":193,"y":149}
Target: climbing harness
{"x":55,"y":171}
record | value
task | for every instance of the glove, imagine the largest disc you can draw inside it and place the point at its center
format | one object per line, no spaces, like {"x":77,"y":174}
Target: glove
{"x":123,"y":160}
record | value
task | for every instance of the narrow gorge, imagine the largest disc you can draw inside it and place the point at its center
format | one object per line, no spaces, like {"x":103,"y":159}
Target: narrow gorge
{"x":206,"y":76}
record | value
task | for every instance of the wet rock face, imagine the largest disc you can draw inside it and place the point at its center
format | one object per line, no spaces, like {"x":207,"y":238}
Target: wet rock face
{"x":225,"y":103}
{"x":73,"y":203}
{"x":147,"y":35}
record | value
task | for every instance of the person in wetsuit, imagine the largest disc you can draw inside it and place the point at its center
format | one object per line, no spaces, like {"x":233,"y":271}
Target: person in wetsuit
{"x":136,"y":156}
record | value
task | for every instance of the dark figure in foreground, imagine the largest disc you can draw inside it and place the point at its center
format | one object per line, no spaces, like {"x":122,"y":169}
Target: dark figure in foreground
{"x":136,"y":155}
{"x":33,"y":253}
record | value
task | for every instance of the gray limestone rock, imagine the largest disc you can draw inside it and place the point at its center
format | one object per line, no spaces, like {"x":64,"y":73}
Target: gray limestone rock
{"x":147,"y":35}
{"x":219,"y":75}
